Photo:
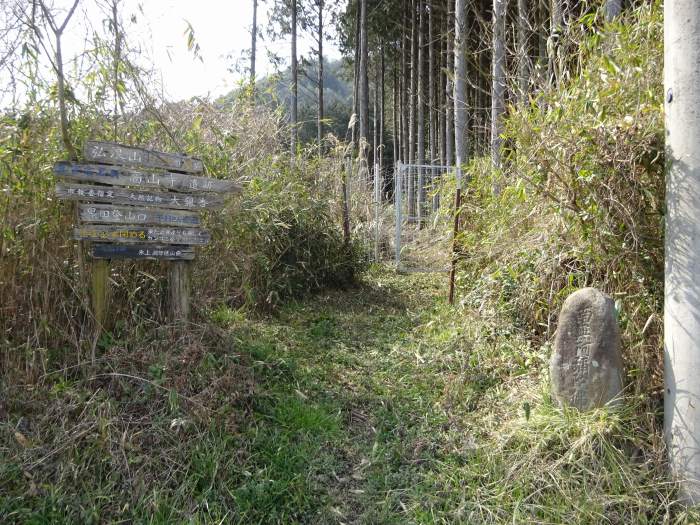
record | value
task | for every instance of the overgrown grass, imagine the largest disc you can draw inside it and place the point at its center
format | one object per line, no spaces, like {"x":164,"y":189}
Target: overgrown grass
{"x":378,"y":404}
{"x":580,"y":199}
{"x":281,"y":238}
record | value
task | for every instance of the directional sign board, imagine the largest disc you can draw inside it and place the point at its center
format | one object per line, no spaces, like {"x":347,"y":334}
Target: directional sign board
{"x":136,"y":203}
{"x":141,"y":179}
{"x":108,"y":214}
{"x":160,"y":199}
{"x":120,"y":155}
{"x":149,"y":251}
{"x":139,"y":234}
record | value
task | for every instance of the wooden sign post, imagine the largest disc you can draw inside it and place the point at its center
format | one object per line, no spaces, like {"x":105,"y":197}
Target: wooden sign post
{"x":136,"y":203}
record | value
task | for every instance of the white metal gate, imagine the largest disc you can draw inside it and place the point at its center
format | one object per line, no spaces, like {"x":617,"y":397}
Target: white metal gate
{"x":422,"y":237}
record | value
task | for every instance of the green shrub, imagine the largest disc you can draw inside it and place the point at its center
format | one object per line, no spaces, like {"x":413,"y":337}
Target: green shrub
{"x":580,"y":202}
{"x":281,"y":241}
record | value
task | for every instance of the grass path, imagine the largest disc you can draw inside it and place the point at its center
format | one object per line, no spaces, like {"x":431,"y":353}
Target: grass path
{"x":356,"y":400}
{"x":378,"y":404}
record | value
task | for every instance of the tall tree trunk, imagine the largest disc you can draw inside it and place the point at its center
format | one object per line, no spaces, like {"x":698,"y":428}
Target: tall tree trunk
{"x":557,"y":15}
{"x":449,"y":96}
{"x":395,"y":118}
{"x":58,"y":34}
{"x":375,"y":123}
{"x":484,"y":132}
{"x":117,"y":59}
{"x":411,"y":186}
{"x":682,"y":296}
{"x":460,"y":94}
{"x":356,"y":78}
{"x":440,"y":89}
{"x":498,"y":80}
{"x":405,"y":86}
{"x":320,"y":76}
{"x":433,"y":106}
{"x":431,"y":88}
{"x":295,"y":77}
{"x":554,"y":41}
{"x":382,"y":95}
{"x":364,"y":82}
{"x":541,"y":12}
{"x":421,"y":107}
{"x":460,"y":84}
{"x":523,"y":51}
{"x":253,"y":43}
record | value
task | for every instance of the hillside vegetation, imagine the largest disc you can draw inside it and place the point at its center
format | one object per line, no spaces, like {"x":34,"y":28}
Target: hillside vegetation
{"x":274,"y":91}
{"x":312,"y":387}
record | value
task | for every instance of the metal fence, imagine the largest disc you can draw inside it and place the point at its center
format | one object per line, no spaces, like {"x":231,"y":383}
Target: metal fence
{"x":421,"y":232}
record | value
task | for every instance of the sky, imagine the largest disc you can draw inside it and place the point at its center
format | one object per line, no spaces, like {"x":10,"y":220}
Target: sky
{"x":221,"y":28}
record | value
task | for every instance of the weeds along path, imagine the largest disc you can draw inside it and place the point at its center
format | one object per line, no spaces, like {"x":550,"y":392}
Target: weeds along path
{"x":376,"y":404}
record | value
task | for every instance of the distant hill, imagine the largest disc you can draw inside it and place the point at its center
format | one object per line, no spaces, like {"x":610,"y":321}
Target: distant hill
{"x":337,"y":91}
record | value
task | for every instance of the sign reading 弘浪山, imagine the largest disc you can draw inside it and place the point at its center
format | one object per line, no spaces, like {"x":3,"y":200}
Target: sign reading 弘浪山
{"x":120,"y":155}
{"x":135,"y":203}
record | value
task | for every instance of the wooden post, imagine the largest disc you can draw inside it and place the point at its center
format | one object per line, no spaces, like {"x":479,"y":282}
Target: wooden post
{"x":346,"y":201}
{"x":179,"y":291}
{"x":135,"y":203}
{"x":99,"y":292}
{"x":455,"y":233}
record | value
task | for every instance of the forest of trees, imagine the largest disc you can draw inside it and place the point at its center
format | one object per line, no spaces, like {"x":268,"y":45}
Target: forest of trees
{"x":436,"y":66}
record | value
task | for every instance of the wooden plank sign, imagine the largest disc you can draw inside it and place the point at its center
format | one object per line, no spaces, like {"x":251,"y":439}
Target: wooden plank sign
{"x":149,"y":251}
{"x":119,"y":176}
{"x":140,"y":234}
{"x":112,"y":153}
{"x":140,"y":204}
{"x":86,"y":192}
{"x":108,"y":214}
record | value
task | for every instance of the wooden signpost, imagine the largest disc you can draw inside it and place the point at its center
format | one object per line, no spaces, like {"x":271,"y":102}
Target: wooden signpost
{"x":141,"y":179}
{"x":141,"y":234}
{"x":108,"y":214}
{"x":149,"y":251}
{"x":120,"y":155}
{"x":159,"y":199}
{"x":135,"y":203}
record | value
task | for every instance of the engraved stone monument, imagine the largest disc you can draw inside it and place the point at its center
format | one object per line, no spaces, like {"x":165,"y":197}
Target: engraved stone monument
{"x":586,"y":366}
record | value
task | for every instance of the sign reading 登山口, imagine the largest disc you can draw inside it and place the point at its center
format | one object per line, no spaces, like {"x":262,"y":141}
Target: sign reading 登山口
{"x":108,"y":214}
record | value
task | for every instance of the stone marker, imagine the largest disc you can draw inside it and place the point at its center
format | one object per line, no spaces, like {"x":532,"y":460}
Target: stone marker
{"x":586,"y":366}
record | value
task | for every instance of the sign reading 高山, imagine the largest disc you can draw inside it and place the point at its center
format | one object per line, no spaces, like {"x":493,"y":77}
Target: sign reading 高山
{"x":135,"y":203}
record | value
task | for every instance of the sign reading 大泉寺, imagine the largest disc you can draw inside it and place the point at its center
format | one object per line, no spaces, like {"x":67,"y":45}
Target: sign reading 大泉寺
{"x":139,"y":204}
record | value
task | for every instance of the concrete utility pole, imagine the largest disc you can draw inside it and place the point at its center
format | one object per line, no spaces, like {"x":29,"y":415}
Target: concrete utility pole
{"x":682,"y":291}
